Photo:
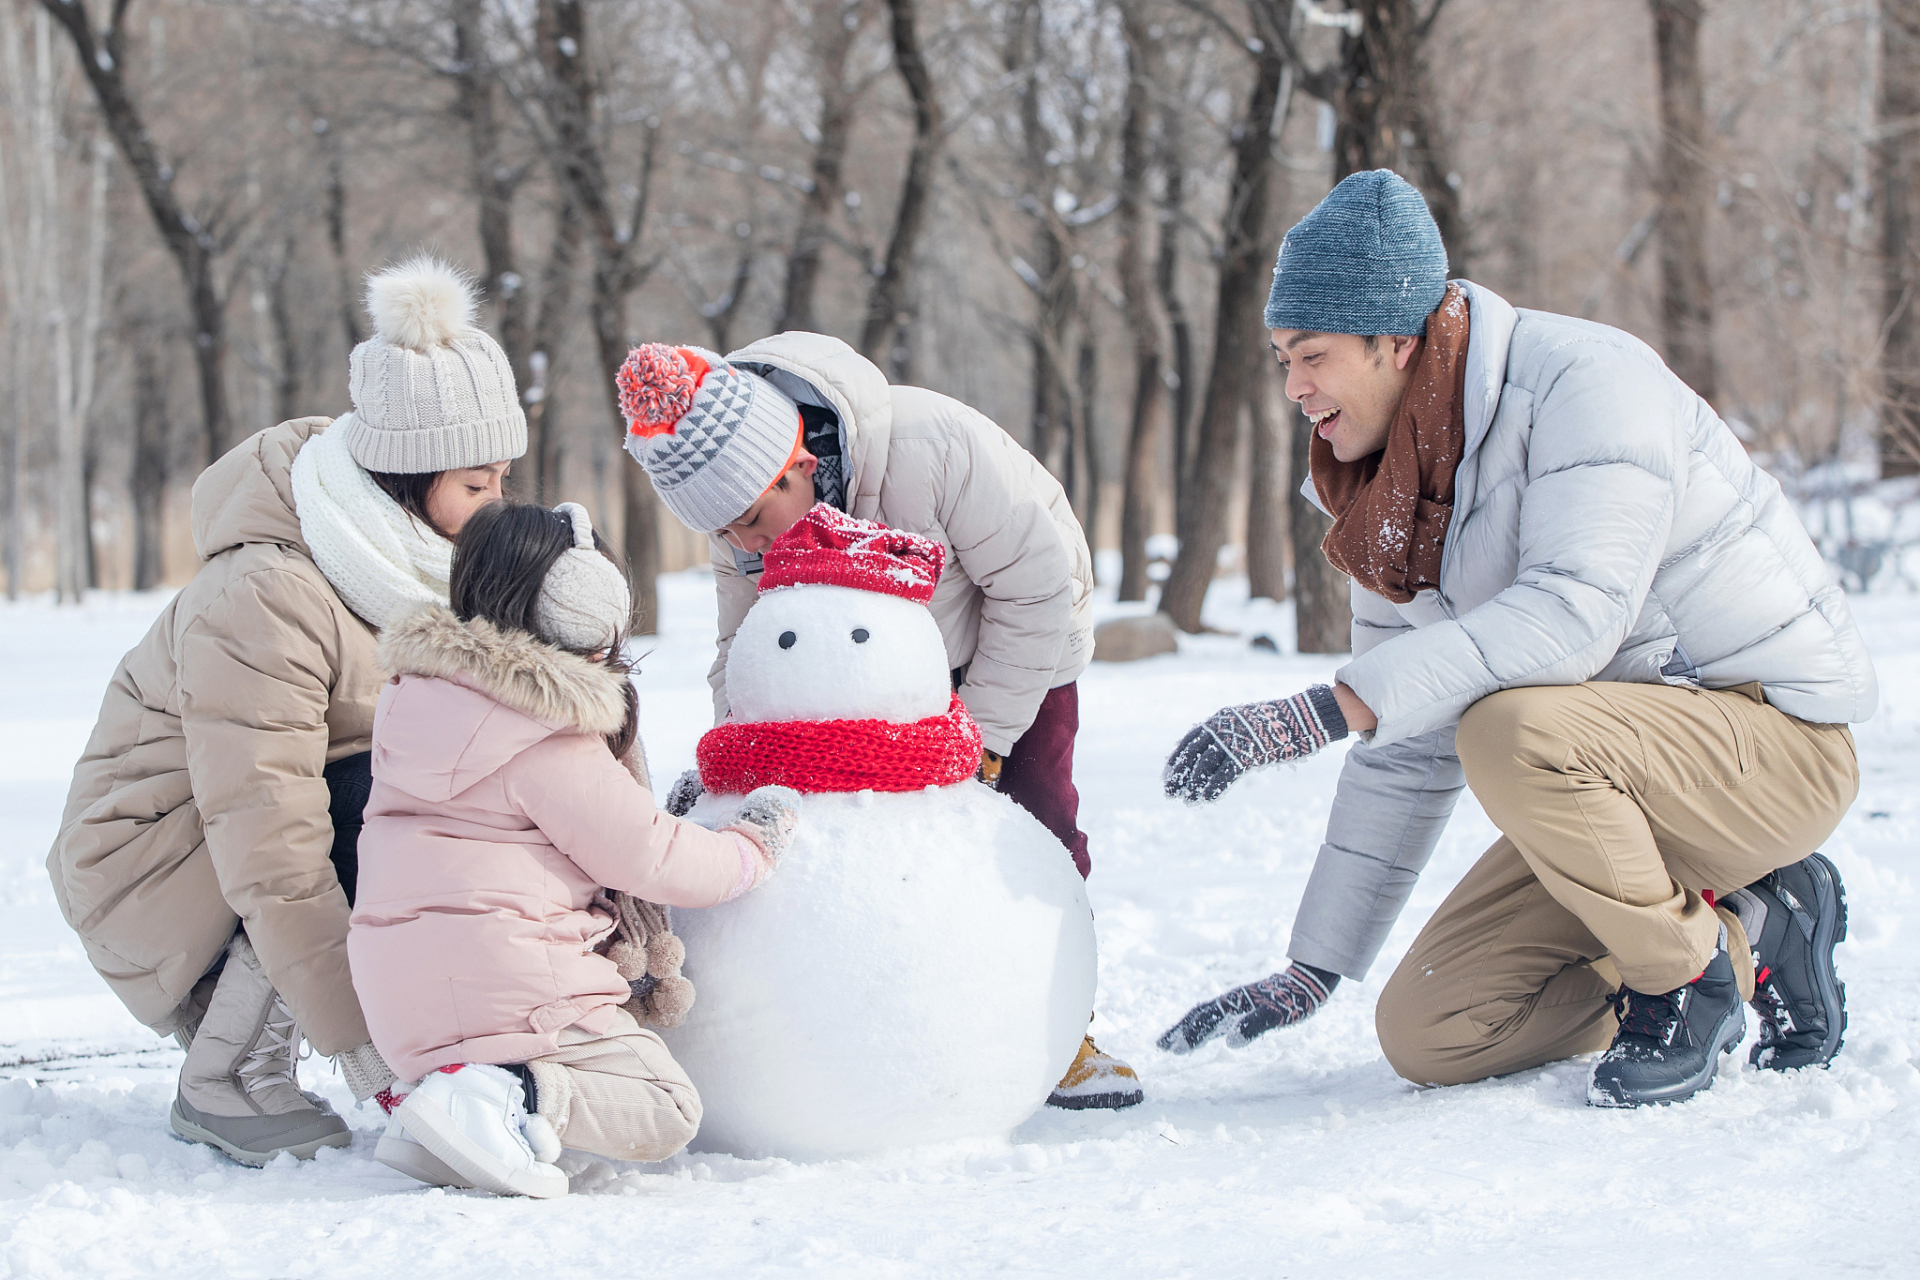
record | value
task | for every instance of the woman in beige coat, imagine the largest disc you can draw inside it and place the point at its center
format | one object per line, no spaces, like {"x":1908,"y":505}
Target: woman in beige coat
{"x":223,"y":783}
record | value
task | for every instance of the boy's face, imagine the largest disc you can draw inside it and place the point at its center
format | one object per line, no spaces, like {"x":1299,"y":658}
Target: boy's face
{"x":1348,"y":389}
{"x":777,"y":510}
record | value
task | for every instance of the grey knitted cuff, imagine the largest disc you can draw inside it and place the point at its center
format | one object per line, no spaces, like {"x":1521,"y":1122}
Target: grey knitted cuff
{"x":426,"y":449}
{"x":365,"y":1071}
{"x":1327,"y":707}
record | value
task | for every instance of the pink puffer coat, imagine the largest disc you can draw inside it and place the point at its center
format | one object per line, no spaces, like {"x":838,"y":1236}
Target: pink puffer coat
{"x":497,"y":812}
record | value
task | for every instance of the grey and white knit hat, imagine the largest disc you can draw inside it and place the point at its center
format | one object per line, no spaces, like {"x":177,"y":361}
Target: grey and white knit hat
{"x":1367,"y":260}
{"x":430,"y":391}
{"x":711,"y":436}
{"x":584,"y":602}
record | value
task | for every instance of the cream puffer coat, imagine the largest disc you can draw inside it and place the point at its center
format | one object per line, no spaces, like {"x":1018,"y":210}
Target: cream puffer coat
{"x":199,"y":802}
{"x":1015,"y":601}
{"x":1607,"y":526}
{"x":497,"y":814}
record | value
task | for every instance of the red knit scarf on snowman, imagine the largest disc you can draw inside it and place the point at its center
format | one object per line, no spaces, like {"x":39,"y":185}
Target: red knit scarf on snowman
{"x":841,"y":755}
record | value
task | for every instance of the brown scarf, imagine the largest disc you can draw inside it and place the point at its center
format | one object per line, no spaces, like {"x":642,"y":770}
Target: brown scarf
{"x":1391,"y":508}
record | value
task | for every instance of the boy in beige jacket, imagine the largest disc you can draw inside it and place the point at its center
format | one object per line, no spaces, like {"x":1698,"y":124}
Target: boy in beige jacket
{"x":740,"y":447}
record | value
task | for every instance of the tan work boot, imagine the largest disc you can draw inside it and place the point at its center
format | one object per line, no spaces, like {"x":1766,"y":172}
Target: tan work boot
{"x":1096,"y":1081}
{"x":238,"y":1090}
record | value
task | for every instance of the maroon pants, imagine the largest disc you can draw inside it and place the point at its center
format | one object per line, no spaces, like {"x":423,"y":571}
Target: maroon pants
{"x":1037,"y":774}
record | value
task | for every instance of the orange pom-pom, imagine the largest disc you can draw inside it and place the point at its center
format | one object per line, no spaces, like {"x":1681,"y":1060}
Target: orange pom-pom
{"x":657,"y":383}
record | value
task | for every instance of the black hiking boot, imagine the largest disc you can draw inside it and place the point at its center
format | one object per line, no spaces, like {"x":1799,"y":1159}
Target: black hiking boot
{"x":1668,"y":1046}
{"x":1794,"y":917}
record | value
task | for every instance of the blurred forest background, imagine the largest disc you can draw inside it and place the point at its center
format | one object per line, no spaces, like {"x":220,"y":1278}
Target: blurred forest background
{"x":1064,"y":212}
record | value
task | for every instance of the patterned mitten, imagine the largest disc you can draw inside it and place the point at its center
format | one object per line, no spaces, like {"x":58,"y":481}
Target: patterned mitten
{"x":766,"y":818}
{"x":1253,"y":1010}
{"x":684,"y":794}
{"x":1231,"y":741}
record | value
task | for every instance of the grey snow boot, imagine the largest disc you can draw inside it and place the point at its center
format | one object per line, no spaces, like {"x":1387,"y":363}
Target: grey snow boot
{"x":238,"y":1090}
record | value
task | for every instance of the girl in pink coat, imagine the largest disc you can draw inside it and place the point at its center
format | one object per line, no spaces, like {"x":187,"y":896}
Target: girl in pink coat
{"x":509,"y":797}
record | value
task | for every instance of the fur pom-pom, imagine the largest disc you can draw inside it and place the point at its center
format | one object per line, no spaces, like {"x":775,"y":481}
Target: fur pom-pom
{"x":657,"y":383}
{"x":421,"y":304}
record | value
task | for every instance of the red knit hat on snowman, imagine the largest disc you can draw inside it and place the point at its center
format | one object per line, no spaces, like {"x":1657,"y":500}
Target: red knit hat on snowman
{"x":830,"y":548}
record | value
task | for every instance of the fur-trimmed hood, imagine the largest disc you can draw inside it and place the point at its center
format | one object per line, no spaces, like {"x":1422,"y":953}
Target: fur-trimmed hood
{"x":467,"y":697}
{"x":561,"y":690}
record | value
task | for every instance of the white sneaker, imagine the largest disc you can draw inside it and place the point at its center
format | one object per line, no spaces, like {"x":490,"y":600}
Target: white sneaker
{"x":399,"y":1150}
{"x":474,"y":1118}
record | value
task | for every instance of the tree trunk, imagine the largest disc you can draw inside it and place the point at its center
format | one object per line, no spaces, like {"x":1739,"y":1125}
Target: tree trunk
{"x":282,"y":310}
{"x":1203,"y":523}
{"x":1322,"y":603}
{"x":1085,"y":471}
{"x":549,"y":328}
{"x":148,"y":479}
{"x":1682,"y":187}
{"x":190,"y":242}
{"x":494,"y":185}
{"x":1149,"y":397}
{"x":881,"y":339}
{"x":1179,"y":327}
{"x":561,"y":32}
{"x":1899,"y":196}
{"x":835,"y":27}
{"x":345,"y":284}
{"x":1268,"y":534}
{"x":15,"y":287}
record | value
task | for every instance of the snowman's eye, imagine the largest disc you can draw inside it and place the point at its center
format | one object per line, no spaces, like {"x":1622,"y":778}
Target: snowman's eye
{"x":860,"y":635}
{"x":787,"y":639}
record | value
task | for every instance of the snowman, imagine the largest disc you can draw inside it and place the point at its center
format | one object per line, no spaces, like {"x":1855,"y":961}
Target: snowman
{"x":920,"y":966}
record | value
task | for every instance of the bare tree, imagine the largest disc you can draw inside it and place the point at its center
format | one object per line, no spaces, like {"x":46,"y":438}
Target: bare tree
{"x":1682,"y":185}
{"x":151,"y":455}
{"x":1136,"y":288}
{"x":1203,"y":521}
{"x":13,"y":280}
{"x":882,"y":337}
{"x":195,"y":240}
{"x":1899,"y":184}
{"x":835,"y":27}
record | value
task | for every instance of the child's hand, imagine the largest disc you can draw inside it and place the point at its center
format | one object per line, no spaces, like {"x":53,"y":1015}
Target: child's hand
{"x":767,"y":817}
{"x":684,"y":794}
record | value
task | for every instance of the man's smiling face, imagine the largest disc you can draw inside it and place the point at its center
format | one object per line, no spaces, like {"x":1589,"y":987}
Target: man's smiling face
{"x":1349,"y":387}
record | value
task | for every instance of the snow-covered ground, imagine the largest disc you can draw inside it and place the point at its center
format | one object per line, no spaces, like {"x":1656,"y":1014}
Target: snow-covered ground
{"x":1302,"y":1155}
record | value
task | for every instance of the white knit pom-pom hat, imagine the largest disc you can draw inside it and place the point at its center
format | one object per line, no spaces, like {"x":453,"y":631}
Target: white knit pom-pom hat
{"x":584,"y":602}
{"x":430,"y":391}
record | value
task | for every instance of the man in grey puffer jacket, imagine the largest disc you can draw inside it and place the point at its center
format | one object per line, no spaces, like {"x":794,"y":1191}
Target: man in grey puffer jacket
{"x":1575,"y":593}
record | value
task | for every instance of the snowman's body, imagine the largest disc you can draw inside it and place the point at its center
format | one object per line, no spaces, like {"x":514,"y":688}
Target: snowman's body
{"x":921,"y":966}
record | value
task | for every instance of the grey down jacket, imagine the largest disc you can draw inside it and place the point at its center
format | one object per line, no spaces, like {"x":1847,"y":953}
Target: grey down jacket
{"x":1607,"y":526}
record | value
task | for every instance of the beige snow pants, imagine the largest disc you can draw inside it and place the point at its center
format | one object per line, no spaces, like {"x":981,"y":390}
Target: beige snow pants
{"x":620,"y":1095}
{"x":1618,"y":803}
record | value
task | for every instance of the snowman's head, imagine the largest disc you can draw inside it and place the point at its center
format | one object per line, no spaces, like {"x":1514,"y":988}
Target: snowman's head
{"x":837,"y":653}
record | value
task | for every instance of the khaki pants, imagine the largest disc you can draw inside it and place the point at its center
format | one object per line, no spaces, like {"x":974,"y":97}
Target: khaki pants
{"x":1618,"y":803}
{"x":620,"y":1095}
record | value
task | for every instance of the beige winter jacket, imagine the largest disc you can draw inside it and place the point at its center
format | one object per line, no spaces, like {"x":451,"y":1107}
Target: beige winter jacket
{"x":199,"y":801}
{"x":1014,"y":604}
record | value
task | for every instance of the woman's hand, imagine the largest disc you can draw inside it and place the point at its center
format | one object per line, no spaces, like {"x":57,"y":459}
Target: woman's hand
{"x":1235,"y":739}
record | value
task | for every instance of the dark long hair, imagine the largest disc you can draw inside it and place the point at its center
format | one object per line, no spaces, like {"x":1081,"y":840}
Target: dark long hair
{"x":409,"y":489}
{"x":501,"y":559}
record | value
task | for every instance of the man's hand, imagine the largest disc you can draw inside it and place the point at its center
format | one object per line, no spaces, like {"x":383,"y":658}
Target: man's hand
{"x":1253,"y":1010}
{"x":684,"y":794}
{"x":1236,"y":739}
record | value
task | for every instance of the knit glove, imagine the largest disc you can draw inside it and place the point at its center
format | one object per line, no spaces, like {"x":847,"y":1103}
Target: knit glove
{"x":1231,"y":741}
{"x":1253,"y":1010}
{"x":365,"y":1071}
{"x":684,"y":794}
{"x":766,"y":819}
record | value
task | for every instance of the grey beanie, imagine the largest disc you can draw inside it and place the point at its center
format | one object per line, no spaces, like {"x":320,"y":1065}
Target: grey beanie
{"x":711,"y":436}
{"x":430,"y":391}
{"x":1368,"y":260}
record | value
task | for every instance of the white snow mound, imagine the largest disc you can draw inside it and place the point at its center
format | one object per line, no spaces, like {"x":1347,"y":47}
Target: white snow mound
{"x":919,"y":969}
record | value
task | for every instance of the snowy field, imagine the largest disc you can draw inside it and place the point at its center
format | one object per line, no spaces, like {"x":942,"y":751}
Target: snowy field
{"x":1302,"y":1155}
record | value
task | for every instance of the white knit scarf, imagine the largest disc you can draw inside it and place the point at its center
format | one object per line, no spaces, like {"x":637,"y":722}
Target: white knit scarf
{"x":384,"y":562}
